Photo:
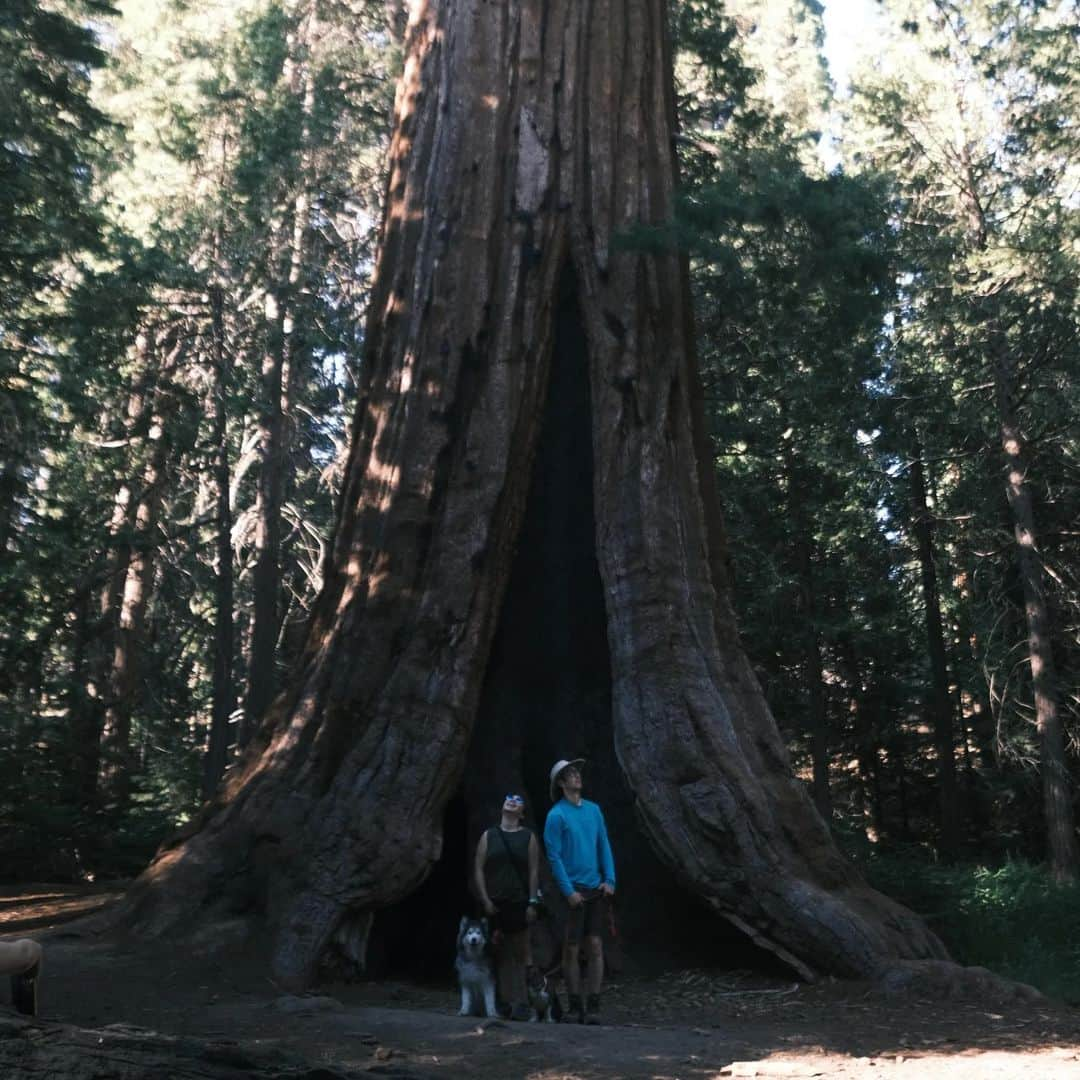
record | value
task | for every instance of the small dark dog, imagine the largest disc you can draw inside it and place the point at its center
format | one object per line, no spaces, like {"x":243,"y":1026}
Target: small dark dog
{"x":475,"y":971}
{"x":543,"y":999}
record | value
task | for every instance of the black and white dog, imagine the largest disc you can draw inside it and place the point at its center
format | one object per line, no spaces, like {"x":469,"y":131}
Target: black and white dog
{"x":475,"y":971}
{"x":543,"y":1000}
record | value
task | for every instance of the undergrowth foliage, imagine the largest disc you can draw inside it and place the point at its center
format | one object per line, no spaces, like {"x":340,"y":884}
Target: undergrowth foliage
{"x":1014,"y":919}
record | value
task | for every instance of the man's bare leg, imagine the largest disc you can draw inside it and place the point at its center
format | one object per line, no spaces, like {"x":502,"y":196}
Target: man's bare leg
{"x":571,"y":966}
{"x":594,"y":978}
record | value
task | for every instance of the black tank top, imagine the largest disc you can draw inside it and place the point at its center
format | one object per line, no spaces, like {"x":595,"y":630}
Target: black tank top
{"x":504,"y":882}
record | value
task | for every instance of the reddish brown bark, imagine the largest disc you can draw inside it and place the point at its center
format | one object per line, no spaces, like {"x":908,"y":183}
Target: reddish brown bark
{"x":529,"y":138}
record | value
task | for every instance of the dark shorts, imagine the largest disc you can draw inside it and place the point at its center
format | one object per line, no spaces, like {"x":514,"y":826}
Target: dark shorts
{"x":510,"y":917}
{"x":590,"y":919}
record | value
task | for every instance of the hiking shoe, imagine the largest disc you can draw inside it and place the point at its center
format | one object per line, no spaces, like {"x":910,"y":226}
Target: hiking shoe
{"x":575,"y":1011}
{"x":24,"y":991}
{"x":521,"y":1011}
{"x":592,"y":1009}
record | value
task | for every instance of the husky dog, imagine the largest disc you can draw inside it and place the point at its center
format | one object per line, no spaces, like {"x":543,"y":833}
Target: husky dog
{"x":543,"y":999}
{"x":475,"y":972}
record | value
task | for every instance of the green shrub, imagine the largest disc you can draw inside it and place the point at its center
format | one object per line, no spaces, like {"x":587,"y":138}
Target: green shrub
{"x":1013,"y":919}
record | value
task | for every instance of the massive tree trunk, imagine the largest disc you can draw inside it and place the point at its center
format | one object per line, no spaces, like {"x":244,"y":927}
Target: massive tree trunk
{"x":529,"y":138}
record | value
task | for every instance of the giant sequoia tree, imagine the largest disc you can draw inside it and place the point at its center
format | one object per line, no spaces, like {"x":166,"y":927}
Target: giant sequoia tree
{"x":530,"y":138}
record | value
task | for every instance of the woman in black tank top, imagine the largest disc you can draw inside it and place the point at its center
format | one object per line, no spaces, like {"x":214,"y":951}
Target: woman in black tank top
{"x":506,"y":874}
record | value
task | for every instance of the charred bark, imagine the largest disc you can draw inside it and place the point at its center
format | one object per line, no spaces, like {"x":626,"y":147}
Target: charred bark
{"x":528,"y":139}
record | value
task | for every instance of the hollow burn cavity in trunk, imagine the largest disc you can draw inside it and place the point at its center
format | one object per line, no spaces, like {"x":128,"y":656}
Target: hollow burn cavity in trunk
{"x":547,"y":695}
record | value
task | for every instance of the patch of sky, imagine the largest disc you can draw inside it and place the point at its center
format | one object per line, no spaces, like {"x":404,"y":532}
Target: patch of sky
{"x":850,"y":27}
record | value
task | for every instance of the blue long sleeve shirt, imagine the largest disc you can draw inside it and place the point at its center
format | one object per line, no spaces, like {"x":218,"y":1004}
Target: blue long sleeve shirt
{"x":578,"y":850}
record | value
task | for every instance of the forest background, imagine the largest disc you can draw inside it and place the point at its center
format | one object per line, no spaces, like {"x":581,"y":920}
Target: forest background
{"x":886,"y":295}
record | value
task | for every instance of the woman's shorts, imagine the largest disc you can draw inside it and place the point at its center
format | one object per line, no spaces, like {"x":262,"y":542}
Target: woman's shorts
{"x":510,"y":916}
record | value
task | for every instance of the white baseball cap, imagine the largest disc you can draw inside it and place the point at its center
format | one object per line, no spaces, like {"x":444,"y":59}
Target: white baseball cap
{"x":557,"y":768}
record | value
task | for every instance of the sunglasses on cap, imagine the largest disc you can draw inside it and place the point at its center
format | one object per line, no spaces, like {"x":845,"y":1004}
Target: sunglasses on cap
{"x":514,"y":798}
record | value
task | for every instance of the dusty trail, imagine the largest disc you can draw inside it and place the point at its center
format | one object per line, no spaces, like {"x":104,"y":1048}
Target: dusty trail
{"x":691,"y":1024}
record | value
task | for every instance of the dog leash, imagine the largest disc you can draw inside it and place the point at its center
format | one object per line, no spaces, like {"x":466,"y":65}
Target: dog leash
{"x":612,"y":928}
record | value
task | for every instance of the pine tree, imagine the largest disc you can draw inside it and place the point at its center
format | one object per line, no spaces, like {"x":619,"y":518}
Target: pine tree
{"x":970,"y":110}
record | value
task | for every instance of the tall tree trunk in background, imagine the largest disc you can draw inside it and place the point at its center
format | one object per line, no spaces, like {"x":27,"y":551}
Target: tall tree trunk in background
{"x":982,"y":722}
{"x":817,"y":721}
{"x":266,"y":579}
{"x":116,"y":756}
{"x":815,"y":681}
{"x":1057,"y":793}
{"x":16,"y":439}
{"x":941,"y":709}
{"x":85,"y":715}
{"x":976,"y":716}
{"x":97,"y":654}
{"x":224,"y":689}
{"x":863,"y":705}
{"x":529,"y":138}
{"x":279,"y":362}
{"x":10,"y":486}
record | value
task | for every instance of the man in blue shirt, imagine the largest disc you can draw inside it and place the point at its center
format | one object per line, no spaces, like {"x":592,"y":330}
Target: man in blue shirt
{"x":576,"y":840}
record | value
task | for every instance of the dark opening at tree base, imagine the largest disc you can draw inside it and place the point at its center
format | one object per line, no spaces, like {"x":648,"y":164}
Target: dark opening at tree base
{"x":547,"y":695}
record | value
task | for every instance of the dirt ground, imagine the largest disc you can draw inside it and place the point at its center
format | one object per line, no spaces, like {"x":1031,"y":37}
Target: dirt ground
{"x":692,"y":1024}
